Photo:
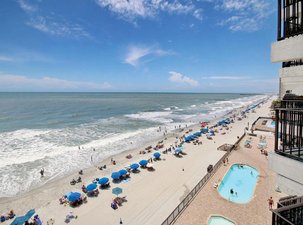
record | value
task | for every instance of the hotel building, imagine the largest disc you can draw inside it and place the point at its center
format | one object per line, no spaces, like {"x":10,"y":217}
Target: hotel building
{"x":287,"y":158}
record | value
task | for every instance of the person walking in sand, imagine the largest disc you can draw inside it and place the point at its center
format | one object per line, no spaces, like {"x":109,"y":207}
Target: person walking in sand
{"x":270,"y":203}
{"x":42,"y":172}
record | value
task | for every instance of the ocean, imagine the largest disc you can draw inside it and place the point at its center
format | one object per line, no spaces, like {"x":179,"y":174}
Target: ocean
{"x":46,"y":129}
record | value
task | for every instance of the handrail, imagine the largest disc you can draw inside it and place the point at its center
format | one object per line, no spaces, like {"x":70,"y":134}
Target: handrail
{"x":190,"y":196}
{"x":283,"y":218}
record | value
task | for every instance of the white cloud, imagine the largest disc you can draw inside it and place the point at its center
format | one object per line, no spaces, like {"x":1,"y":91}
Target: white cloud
{"x":6,"y":58}
{"x":180,"y":78}
{"x":54,"y":27}
{"x":245,"y":15}
{"x":54,"y":24}
{"x":132,"y":9}
{"x":228,"y":78}
{"x":9,"y":82}
{"x":135,"y":53}
{"x":26,"y":55}
{"x":28,"y":8}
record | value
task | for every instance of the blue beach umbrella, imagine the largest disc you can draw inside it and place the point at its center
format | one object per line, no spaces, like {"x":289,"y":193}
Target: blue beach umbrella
{"x":123,"y":172}
{"x":157,"y":155}
{"x":178,"y":150}
{"x":143,"y":162}
{"x":20,"y":220}
{"x":91,"y":187}
{"x":197,"y":134}
{"x":205,"y":130}
{"x":115,"y":175}
{"x":134,"y":166}
{"x":73,"y":196}
{"x":117,"y":190}
{"x":103,"y":180}
{"x":68,"y":194}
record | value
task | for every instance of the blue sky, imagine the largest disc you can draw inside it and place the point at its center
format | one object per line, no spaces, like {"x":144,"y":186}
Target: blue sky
{"x":137,"y":45}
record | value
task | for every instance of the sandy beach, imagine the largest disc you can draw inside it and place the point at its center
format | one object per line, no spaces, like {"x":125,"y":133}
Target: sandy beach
{"x":151,"y":196}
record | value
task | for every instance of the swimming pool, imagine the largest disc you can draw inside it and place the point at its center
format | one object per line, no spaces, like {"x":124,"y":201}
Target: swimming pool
{"x":219,"y":220}
{"x":239,"y":183}
{"x":271,"y":124}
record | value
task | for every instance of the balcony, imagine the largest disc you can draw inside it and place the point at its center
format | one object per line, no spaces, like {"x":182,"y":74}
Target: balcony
{"x":289,"y":130}
{"x":288,"y":50}
{"x":290,"y":18}
{"x":289,"y":211}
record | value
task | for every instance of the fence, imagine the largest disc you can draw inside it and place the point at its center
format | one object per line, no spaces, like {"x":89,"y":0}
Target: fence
{"x":289,"y":211}
{"x":185,"y":202}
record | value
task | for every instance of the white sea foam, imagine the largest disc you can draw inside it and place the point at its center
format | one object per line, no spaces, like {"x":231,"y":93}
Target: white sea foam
{"x":24,"y":152}
{"x":160,"y":117}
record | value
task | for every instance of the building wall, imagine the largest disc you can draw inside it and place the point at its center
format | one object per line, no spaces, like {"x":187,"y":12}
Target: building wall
{"x":289,"y":173}
{"x":288,"y":49}
{"x":289,"y":186}
{"x":291,"y":78}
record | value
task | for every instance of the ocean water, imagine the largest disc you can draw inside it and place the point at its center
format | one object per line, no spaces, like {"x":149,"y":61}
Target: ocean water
{"x":45,"y":129}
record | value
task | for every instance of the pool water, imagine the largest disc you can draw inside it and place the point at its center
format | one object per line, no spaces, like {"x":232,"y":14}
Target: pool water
{"x":239,"y":183}
{"x":271,"y":124}
{"x":219,"y":220}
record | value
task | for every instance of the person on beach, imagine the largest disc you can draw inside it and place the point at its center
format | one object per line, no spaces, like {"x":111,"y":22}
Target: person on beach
{"x":37,"y":220}
{"x":232,"y":191}
{"x":227,"y":160}
{"x":42,"y":172}
{"x":270,"y":202}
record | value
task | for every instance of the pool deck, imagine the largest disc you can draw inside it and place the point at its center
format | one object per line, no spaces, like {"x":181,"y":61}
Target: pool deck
{"x":209,"y":202}
{"x":264,"y":127}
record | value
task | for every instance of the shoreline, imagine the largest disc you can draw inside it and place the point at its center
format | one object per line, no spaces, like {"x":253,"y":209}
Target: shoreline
{"x":47,"y":194}
{"x":120,"y":156}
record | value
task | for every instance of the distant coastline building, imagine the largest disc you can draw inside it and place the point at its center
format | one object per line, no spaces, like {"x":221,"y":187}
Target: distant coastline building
{"x":287,"y":159}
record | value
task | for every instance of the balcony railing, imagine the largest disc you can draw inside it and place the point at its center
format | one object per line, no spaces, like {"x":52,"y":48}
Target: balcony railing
{"x":292,"y":63}
{"x":289,"y":133}
{"x":289,"y":211}
{"x":292,"y":104}
{"x":290,"y":18}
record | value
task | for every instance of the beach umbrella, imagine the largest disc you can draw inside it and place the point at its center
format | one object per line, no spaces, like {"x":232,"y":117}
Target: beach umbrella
{"x":73,"y":196}
{"x":123,"y":172}
{"x":187,"y":139}
{"x":103,"y":180}
{"x":205,"y":130}
{"x":68,"y":194}
{"x":143,"y":162}
{"x":117,"y":190}
{"x":178,"y":150}
{"x":91,"y":187}
{"x":197,"y":134}
{"x":20,"y":220}
{"x":115,"y":175}
{"x":157,"y":155}
{"x":134,"y":166}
